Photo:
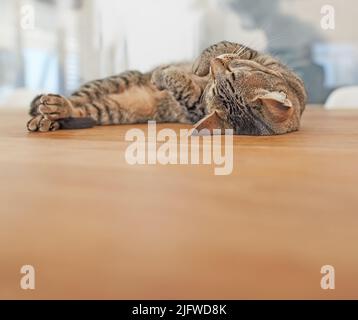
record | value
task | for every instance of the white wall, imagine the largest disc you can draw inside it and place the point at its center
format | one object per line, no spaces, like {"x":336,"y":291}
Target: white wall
{"x":152,"y":32}
{"x":346,"y":16}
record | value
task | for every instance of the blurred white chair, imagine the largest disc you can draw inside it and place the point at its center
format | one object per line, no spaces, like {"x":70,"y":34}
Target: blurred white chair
{"x":343,"y":98}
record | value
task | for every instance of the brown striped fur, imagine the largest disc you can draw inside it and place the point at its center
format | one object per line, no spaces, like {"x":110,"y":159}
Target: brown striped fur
{"x":228,"y":86}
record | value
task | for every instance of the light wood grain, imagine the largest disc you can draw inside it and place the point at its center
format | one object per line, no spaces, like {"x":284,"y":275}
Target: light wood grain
{"x":95,"y":227}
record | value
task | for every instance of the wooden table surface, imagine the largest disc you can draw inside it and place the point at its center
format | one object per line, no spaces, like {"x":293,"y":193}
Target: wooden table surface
{"x":95,"y":227}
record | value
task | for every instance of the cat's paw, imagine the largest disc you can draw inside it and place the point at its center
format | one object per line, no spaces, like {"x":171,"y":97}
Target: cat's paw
{"x":53,"y":106}
{"x":170,"y":78}
{"x":42,"y":124}
{"x":201,"y":66}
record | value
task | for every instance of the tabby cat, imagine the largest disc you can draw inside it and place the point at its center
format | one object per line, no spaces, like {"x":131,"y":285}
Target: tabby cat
{"x":230,"y":86}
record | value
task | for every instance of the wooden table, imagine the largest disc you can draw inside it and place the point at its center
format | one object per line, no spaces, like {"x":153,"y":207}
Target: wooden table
{"x":95,"y":227}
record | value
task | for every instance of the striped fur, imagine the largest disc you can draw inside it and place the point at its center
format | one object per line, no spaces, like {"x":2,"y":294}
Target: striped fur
{"x":184,"y":93}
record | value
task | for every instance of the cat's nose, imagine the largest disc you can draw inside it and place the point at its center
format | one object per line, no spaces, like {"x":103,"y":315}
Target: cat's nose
{"x":218,"y":66}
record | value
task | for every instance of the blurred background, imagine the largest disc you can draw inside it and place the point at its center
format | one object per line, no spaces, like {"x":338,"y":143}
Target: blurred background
{"x":55,"y":45}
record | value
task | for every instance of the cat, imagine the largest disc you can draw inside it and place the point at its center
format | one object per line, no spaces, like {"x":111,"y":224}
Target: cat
{"x":230,"y":86}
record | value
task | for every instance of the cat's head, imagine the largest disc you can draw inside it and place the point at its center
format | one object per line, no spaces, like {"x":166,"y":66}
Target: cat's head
{"x":252,"y":99}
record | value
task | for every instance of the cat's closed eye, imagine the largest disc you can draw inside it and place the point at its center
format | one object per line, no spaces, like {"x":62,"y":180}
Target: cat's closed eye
{"x":234,"y":64}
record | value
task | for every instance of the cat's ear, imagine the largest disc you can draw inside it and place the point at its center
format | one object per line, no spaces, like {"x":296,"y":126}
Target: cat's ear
{"x":274,"y":99}
{"x":278,"y":105}
{"x":210,"y":123}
